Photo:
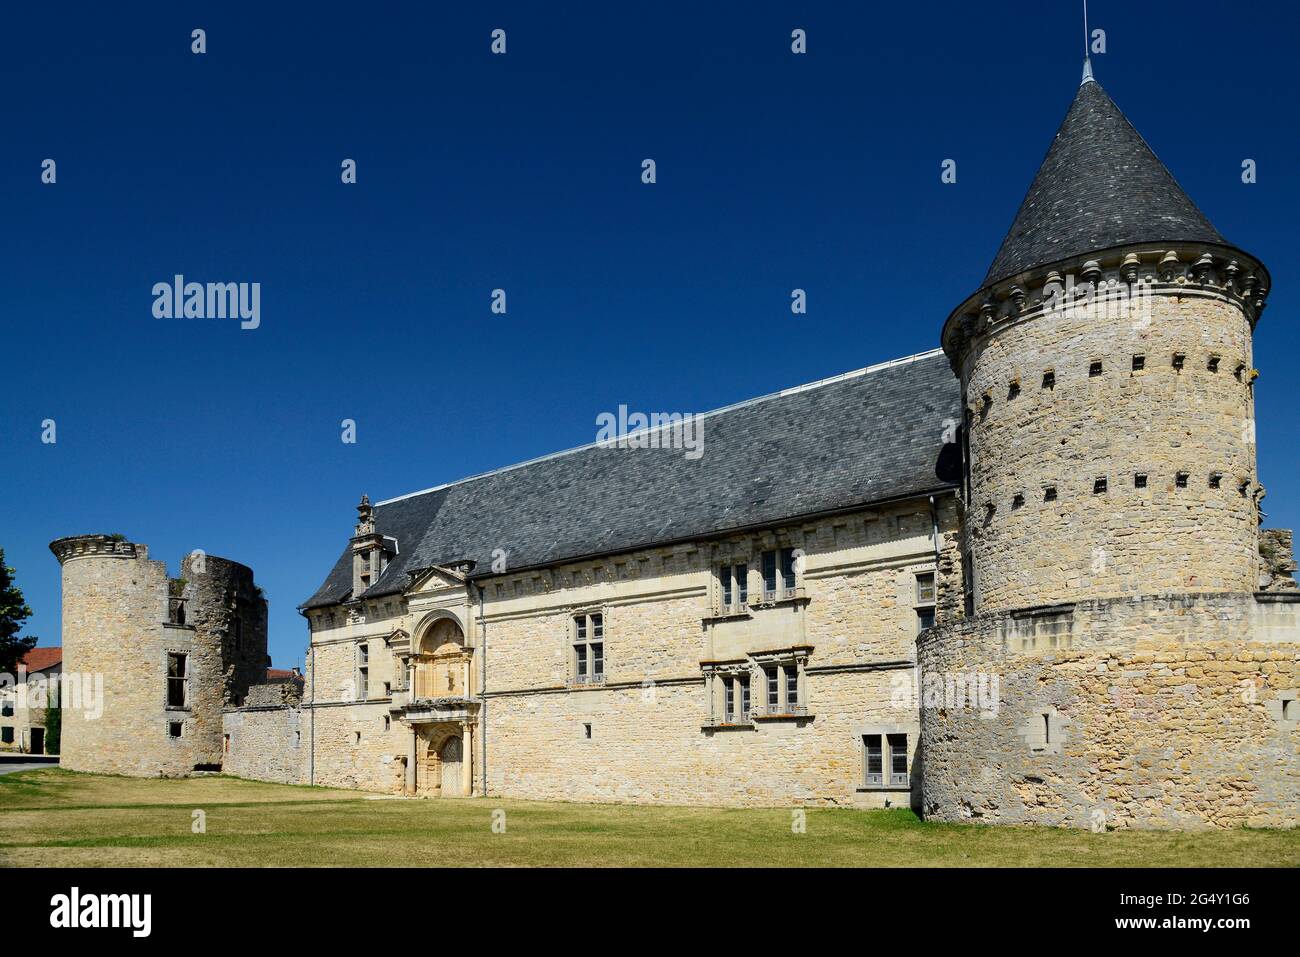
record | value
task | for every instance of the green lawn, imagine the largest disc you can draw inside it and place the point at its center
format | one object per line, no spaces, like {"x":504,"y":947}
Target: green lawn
{"x":50,"y":817}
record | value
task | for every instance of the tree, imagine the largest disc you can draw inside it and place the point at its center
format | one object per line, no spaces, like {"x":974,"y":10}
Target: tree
{"x":53,"y":727}
{"x":13,"y":612}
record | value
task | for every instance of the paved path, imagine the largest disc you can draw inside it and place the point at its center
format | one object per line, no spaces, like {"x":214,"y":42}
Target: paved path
{"x":7,"y":768}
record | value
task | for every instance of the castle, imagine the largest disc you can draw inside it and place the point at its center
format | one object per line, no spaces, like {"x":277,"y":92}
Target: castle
{"x":1017,"y":579}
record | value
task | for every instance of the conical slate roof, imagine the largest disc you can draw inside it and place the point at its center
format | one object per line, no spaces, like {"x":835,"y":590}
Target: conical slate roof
{"x":1100,"y":186}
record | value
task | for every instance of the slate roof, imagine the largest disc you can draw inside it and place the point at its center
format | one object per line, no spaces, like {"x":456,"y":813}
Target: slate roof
{"x":867,"y":436}
{"x":1100,"y":186}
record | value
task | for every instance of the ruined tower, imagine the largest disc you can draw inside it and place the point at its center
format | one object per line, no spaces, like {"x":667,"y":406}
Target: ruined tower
{"x":1112,"y":520}
{"x":169,"y":654}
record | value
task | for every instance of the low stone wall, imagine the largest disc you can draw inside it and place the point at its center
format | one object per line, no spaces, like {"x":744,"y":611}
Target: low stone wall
{"x":1159,"y":712}
{"x":265,"y":744}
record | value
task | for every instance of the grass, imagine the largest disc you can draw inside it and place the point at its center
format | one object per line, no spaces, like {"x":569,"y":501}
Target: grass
{"x":50,"y":817}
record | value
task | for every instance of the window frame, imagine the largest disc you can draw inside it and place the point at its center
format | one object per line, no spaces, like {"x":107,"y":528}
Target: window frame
{"x":183,"y":680}
{"x":363,"y":671}
{"x":923,"y":607}
{"x":587,"y":659}
{"x":886,"y":746}
{"x":733,"y":588}
{"x":780,"y":577}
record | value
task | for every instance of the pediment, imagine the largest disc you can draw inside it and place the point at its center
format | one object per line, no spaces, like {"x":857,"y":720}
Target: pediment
{"x":434,"y":579}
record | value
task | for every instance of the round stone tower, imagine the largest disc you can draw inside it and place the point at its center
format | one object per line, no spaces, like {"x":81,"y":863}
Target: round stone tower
{"x":150,"y":661}
{"x":1107,"y":376}
{"x":1111,"y":533}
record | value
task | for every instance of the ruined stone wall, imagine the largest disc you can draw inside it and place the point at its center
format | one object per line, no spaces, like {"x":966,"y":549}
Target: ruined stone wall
{"x":1034,"y":547}
{"x":118,"y":633}
{"x":1174,"y":711}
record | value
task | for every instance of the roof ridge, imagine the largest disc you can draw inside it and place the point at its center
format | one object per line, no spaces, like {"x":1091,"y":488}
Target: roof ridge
{"x":792,"y":390}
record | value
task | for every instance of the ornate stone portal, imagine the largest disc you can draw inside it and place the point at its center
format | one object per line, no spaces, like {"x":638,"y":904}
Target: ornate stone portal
{"x":436,"y":706}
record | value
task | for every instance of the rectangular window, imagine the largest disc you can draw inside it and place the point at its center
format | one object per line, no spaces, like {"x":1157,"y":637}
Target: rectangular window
{"x":178,"y":681}
{"x":174,"y":728}
{"x":363,"y":672}
{"x":778,"y":574}
{"x":898,"y":759}
{"x":773,"y":689}
{"x":7,"y":709}
{"x":787,"y":572}
{"x":925,"y":601}
{"x":735,"y":690}
{"x":791,"y":687}
{"x":734,"y":583}
{"x":1094,"y":367}
{"x":589,"y":649}
{"x":1139,"y":363}
{"x":874,"y":760}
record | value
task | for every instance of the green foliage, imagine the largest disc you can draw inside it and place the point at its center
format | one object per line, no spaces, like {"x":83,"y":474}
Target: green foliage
{"x":13,"y":612}
{"x":53,"y":728}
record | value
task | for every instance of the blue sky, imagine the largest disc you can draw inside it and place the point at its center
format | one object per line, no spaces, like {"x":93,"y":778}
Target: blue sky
{"x":522,"y":172}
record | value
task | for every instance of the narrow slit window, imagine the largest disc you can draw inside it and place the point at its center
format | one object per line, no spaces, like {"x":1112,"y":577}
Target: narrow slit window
{"x":1099,"y":485}
{"x":1180,"y":480}
{"x":1140,"y":480}
{"x":1139,"y":363}
{"x":1049,"y":379}
{"x":1094,"y":368}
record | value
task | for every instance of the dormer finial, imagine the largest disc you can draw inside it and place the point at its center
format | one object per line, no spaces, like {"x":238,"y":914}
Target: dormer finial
{"x":1087,"y":72}
{"x":365,"y":517}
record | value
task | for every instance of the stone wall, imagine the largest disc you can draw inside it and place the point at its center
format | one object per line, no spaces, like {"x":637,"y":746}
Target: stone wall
{"x":1041,"y":530}
{"x":653,"y":736}
{"x":1175,"y":711}
{"x":265,"y":744}
{"x":118,"y":630}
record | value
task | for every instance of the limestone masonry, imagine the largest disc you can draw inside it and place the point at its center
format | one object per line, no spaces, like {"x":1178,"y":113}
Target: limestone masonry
{"x":1020,"y":579}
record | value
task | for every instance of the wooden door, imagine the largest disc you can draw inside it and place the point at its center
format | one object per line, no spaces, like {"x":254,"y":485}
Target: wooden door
{"x":450,"y":760}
